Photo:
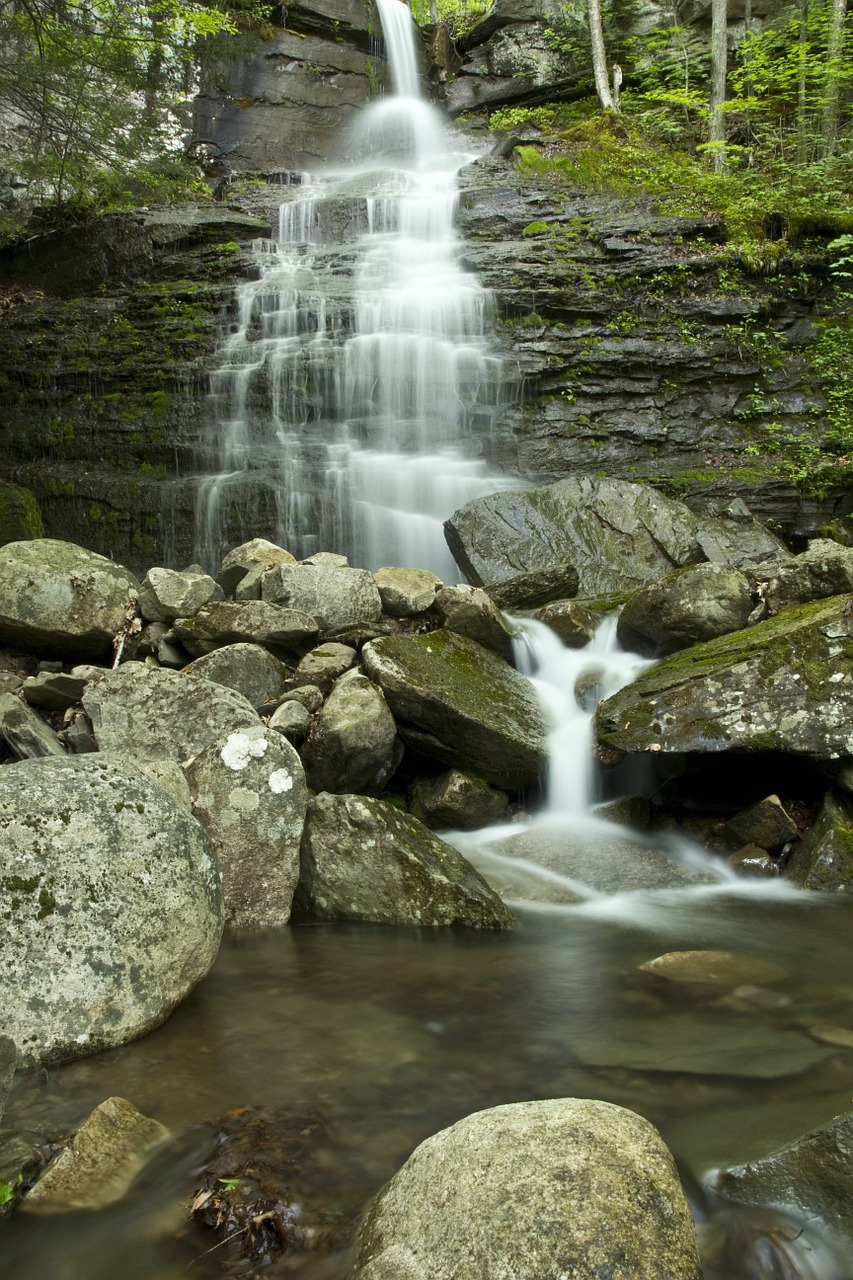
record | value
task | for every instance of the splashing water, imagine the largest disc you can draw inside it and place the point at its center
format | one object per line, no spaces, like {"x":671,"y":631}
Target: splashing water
{"x":351,"y":404}
{"x":568,"y":857}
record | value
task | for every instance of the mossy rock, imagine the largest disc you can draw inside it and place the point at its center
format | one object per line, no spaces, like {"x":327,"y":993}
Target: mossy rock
{"x":784,"y":685}
{"x":20,"y":515}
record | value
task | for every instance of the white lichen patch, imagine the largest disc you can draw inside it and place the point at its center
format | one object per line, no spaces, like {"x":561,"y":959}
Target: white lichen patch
{"x":240,"y":749}
{"x":280,"y":781}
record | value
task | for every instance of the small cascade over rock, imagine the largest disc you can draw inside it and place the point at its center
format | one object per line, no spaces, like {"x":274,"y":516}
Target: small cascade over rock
{"x":570,"y":853}
{"x":349,"y":406}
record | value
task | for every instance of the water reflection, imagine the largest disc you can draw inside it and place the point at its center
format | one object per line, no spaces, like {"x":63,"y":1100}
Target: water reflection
{"x":392,"y":1034}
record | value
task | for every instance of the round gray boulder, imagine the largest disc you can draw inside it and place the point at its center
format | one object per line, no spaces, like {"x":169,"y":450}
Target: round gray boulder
{"x":534,"y":1191}
{"x":109,"y":895}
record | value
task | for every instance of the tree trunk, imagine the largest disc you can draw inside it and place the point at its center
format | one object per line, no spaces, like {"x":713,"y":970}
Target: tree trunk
{"x":802,"y":86}
{"x":832,"y":86}
{"x":599,"y":59}
{"x":719,"y":50}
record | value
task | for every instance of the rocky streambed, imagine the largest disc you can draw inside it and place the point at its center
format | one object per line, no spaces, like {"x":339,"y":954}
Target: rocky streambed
{"x":278,"y":746}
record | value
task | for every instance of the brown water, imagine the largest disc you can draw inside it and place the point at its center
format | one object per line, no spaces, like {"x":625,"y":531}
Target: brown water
{"x":392,"y":1034}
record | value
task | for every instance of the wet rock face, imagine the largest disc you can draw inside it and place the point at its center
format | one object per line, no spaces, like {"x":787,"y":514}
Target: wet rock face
{"x":824,"y":859}
{"x":618,"y":535}
{"x":287,"y":102}
{"x":110,"y":898}
{"x":783,"y":685}
{"x":364,"y":860}
{"x":534,"y":1190}
{"x":631,"y":346}
{"x":462,"y":705}
{"x":811,"y":1174}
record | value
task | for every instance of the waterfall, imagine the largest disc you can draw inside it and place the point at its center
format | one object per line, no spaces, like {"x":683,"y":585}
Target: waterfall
{"x":349,"y":407}
{"x":569,"y":856}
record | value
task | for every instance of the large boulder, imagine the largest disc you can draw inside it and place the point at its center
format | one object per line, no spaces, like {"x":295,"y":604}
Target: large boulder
{"x":698,"y":603}
{"x":249,"y":668}
{"x":353,"y":744}
{"x":824,"y":569}
{"x":109,"y":894}
{"x":61,"y":600}
{"x":533,"y":1191}
{"x":469,"y":611}
{"x":248,"y":791}
{"x":251,"y":622}
{"x":155,"y":714}
{"x":337,"y":597}
{"x":364,"y":860}
{"x":461,"y":704}
{"x":166,"y":594}
{"x":783,"y":685}
{"x":618,"y":535}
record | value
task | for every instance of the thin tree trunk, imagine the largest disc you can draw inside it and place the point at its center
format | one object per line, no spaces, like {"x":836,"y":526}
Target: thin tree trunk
{"x":719,"y":50}
{"x":802,"y":85}
{"x":599,"y":59}
{"x":832,"y":86}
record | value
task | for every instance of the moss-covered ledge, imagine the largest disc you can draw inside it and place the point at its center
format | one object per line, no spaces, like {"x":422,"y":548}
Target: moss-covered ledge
{"x":783,"y":685}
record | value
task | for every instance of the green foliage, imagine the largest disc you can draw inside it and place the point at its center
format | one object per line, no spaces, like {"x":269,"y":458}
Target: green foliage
{"x":98,"y":88}
{"x":459,"y":16}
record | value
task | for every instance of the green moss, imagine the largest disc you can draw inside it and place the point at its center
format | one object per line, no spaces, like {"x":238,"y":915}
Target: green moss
{"x":20,"y":515}
{"x":47,"y":904}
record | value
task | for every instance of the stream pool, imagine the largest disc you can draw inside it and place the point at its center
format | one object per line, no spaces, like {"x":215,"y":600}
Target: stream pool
{"x":388,"y":1035}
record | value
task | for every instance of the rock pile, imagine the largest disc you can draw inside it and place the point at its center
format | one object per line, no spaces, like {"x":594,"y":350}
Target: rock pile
{"x":170,"y":793}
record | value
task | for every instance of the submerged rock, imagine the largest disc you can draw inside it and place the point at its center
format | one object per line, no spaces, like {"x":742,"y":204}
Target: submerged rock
{"x":110,"y":898}
{"x":364,"y":860}
{"x":60,"y":600}
{"x":783,"y":685}
{"x":101,"y":1161}
{"x":533,"y":1191}
{"x":459,"y":703}
{"x":720,"y":970}
{"x":619,"y":535}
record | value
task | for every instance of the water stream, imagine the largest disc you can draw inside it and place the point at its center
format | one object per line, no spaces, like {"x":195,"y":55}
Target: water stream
{"x":390,"y":1034}
{"x":350,"y":405}
{"x":386,"y":1035}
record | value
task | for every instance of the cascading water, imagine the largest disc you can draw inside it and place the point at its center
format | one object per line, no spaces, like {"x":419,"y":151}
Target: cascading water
{"x":569,"y":855}
{"x":350,"y":404}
